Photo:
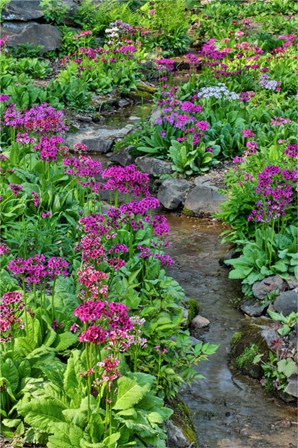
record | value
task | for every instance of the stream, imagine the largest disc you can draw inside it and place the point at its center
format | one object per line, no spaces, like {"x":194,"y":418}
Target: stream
{"x":229,"y":410}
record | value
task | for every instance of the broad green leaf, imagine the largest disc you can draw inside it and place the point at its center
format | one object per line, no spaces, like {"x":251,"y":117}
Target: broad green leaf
{"x":129,"y":393}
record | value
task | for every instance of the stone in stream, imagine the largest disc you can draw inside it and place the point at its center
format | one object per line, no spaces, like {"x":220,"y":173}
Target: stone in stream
{"x":153,"y":166}
{"x":203,"y":200}
{"x":269,"y":284}
{"x":286,"y":302}
{"x":292,"y":386}
{"x":48,"y":36}
{"x":171,"y":193}
{"x":252,"y":309}
{"x":199,"y":322}
{"x":123,"y":156}
{"x":98,"y":140}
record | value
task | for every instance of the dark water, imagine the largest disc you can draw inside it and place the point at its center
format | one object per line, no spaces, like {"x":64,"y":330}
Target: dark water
{"x":229,"y":411}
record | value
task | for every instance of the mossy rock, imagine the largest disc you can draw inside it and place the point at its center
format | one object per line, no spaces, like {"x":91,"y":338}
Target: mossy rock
{"x":250,"y":341}
{"x":182,"y":419}
{"x":193,"y":309}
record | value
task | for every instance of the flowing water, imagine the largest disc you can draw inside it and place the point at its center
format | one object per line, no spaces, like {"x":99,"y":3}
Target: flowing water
{"x":229,"y":410}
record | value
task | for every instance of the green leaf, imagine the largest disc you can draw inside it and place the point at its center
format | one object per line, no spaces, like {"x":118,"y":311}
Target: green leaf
{"x":9,"y":371}
{"x":70,"y":381}
{"x":65,"y":340}
{"x":42,"y":413}
{"x":129,"y":393}
{"x":288,"y":367}
{"x":66,"y":436}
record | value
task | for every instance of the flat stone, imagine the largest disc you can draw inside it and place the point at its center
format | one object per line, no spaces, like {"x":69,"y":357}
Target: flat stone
{"x":286,"y":302}
{"x":134,"y":118}
{"x":171,"y":193}
{"x":155,"y":114}
{"x":199,"y":322}
{"x":269,"y":284}
{"x":251,"y":309}
{"x":98,"y":140}
{"x":153,"y":166}
{"x":203,"y":200}
{"x":48,"y":36}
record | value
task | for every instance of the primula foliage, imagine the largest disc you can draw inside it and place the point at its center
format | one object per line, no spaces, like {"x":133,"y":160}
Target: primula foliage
{"x":88,"y":313}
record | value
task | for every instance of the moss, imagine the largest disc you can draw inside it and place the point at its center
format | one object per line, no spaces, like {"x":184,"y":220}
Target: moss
{"x":188,"y":212}
{"x":182,"y":419}
{"x":237,"y":336}
{"x":193,"y":309}
{"x":245,"y":362}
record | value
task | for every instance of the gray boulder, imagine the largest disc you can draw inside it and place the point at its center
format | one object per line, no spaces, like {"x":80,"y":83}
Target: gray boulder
{"x":176,"y":437}
{"x":123,"y":157}
{"x":287,"y":302}
{"x":26,"y":10}
{"x":97,"y":140}
{"x":23,"y":11}
{"x":48,"y":36}
{"x":269,"y":284}
{"x":153,"y":166}
{"x":171,"y":193}
{"x":203,"y":200}
{"x":199,"y":322}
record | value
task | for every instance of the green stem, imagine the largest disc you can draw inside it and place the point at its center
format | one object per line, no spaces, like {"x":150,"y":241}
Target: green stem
{"x":53,"y":297}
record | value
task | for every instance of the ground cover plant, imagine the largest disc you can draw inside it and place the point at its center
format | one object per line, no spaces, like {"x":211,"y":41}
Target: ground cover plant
{"x":87,"y":307}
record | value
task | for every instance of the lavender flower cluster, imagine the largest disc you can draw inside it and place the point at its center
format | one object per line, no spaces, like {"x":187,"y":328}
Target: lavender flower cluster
{"x":268,"y":83}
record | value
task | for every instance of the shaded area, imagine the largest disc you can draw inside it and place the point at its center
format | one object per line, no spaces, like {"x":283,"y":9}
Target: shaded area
{"x":229,"y":410}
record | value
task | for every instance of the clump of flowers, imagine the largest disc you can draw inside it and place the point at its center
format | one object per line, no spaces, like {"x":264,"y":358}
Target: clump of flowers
{"x":219,"y":92}
{"x":277,"y":191}
{"x":11,"y":307}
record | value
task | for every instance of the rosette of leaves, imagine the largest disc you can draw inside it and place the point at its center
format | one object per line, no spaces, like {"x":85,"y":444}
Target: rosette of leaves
{"x":68,"y":417}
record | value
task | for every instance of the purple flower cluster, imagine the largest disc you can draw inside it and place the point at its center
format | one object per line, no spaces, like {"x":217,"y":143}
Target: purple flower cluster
{"x":43,"y":119}
{"x":126,"y":180}
{"x":35,"y":268}
{"x":291,"y":151}
{"x":11,"y":306}
{"x":15,"y":188}
{"x":109,"y":317}
{"x":49,"y":147}
{"x":82,"y":166}
{"x":277,"y":191}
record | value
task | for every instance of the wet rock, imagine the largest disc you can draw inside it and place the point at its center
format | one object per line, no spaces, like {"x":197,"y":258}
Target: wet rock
{"x":153,"y":166}
{"x":176,"y":438}
{"x":262,"y":288}
{"x":48,"y":36}
{"x":203,"y":200}
{"x":292,"y":282}
{"x":23,"y":11}
{"x":84,"y":118}
{"x":180,"y":429}
{"x":123,"y":157}
{"x":123,"y":102}
{"x":255,"y":337}
{"x":199,"y":322}
{"x":292,"y":387}
{"x":98,"y":140}
{"x":251,"y":309}
{"x":286,"y":302}
{"x":172,"y":192}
